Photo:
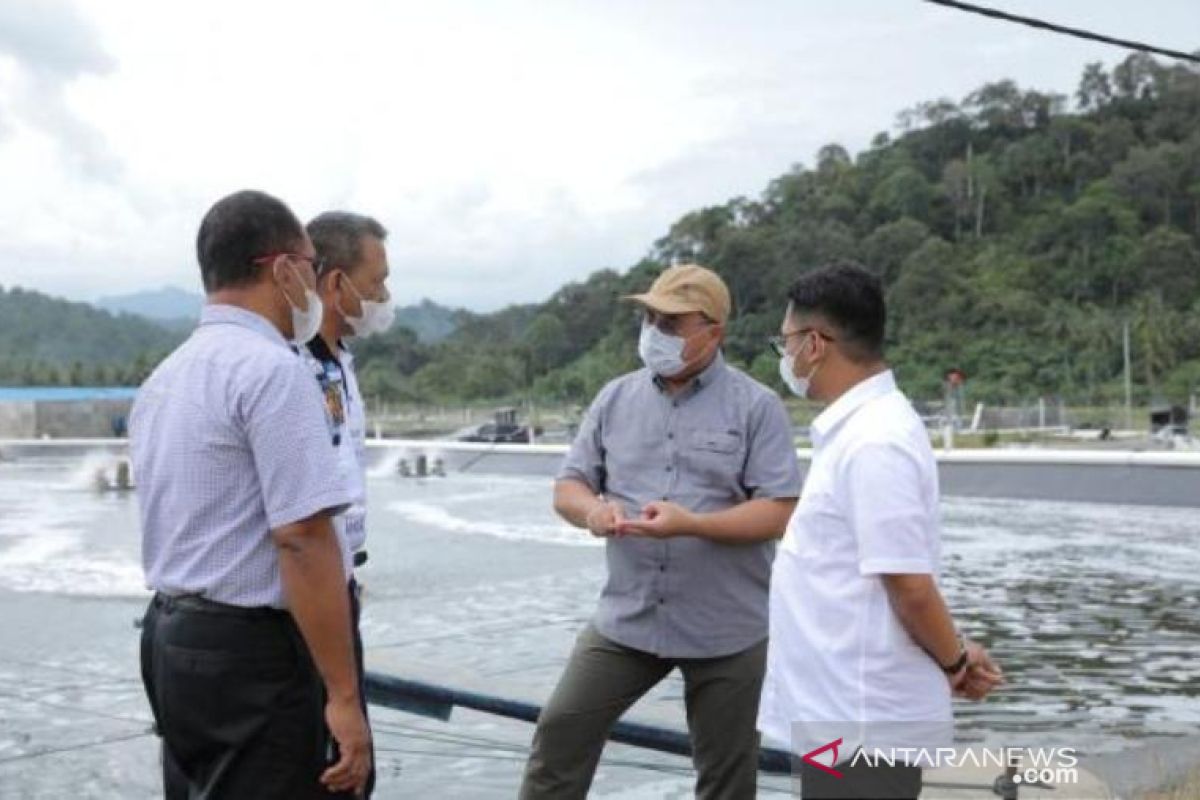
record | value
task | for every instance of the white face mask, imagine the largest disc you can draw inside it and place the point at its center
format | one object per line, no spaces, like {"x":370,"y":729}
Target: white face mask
{"x":377,"y":315}
{"x":660,"y":352}
{"x":306,"y":323}
{"x":797,"y":385}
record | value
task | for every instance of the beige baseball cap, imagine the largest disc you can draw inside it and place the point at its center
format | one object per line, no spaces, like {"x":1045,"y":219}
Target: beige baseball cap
{"x":685,"y":288}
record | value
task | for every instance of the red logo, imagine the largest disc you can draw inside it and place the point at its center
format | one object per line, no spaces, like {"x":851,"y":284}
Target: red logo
{"x":809,"y":758}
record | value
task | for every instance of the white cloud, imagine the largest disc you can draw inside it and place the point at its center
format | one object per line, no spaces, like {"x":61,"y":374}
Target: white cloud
{"x":509,"y":145}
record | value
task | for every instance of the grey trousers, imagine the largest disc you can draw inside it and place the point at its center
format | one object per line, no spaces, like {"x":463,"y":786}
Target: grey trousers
{"x":603,"y":679}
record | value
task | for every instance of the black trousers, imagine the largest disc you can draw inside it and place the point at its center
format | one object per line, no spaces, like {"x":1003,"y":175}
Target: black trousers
{"x":237,"y":701}
{"x":861,"y":782}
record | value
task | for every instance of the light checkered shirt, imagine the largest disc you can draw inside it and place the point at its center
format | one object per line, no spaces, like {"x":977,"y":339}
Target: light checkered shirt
{"x":229,"y":439}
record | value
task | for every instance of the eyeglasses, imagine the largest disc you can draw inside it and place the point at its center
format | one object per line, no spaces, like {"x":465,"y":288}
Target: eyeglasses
{"x":779,"y":343}
{"x":317,"y":262}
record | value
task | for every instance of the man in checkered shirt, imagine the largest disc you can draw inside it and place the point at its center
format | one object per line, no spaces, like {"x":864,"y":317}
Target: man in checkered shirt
{"x":247,"y":653}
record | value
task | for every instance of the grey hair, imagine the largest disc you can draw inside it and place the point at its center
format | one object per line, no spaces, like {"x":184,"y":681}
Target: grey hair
{"x":337,"y":237}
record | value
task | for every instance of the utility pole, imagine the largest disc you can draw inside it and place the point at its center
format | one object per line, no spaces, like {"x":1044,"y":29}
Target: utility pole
{"x":1128,"y":382}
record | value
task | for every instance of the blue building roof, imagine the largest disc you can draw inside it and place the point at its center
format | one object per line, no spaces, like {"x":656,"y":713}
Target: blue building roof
{"x":62,"y":394}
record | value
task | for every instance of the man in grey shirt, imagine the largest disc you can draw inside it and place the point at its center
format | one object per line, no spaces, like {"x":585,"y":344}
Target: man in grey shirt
{"x":688,"y":470}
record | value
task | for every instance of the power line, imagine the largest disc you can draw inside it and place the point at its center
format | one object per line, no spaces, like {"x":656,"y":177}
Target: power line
{"x":1078,"y":33}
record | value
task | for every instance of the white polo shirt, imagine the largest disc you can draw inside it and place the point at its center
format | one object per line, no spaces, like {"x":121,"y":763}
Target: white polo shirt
{"x":335,"y":377}
{"x":838,"y":654}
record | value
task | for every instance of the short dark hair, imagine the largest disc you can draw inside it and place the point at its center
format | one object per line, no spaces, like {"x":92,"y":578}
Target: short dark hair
{"x":850,"y":298}
{"x":238,"y":229}
{"x":338,"y":237}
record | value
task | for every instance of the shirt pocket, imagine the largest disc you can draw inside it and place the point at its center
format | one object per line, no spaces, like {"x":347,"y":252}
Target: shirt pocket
{"x":716,"y":456}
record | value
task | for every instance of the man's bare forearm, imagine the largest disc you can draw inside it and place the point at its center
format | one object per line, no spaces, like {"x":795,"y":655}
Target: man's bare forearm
{"x":918,"y":603}
{"x":314,"y":583}
{"x":574,"y":500}
{"x":756,"y":520}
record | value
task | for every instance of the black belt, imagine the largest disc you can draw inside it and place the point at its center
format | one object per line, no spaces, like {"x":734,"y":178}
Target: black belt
{"x":360,"y":558}
{"x":194,"y":602}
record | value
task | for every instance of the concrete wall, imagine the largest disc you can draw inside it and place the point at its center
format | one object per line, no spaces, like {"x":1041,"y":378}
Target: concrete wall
{"x":18,"y":420}
{"x":81,"y":418}
{"x":1124,"y":477}
{"x":62,"y":419}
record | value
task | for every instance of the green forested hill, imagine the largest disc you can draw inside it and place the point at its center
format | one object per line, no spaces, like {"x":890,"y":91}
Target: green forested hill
{"x":1017,"y":232}
{"x":47,"y":341}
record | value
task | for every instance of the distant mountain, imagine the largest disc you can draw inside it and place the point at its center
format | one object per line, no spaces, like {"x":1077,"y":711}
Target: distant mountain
{"x":429,"y":321}
{"x":37,"y":328}
{"x":171,"y":305}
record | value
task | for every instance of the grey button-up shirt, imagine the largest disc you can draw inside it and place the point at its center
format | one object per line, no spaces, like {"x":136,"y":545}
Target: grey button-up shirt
{"x":229,"y":439}
{"x":722,"y":441}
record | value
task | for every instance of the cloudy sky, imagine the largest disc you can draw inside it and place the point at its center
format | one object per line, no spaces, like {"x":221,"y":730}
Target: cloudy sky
{"x":509,"y":146}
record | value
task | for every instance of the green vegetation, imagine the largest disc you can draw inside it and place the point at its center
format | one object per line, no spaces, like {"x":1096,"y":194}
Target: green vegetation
{"x":45,"y":341}
{"x":1017,"y":234}
{"x":1016,"y":239}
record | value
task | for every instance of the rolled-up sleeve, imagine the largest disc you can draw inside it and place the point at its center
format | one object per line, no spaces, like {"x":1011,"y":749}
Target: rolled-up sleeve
{"x":585,"y":459}
{"x":894,"y":526}
{"x":771,"y":470}
{"x":292,"y":446}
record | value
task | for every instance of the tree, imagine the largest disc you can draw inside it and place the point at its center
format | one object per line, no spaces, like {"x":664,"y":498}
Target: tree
{"x":695,"y":235}
{"x":832,"y":160}
{"x":929,"y":295}
{"x":956,"y":185}
{"x":984,"y":187}
{"x":1095,"y":89}
{"x":1149,"y":177}
{"x":1169,"y":267}
{"x":1154,"y":331}
{"x":998,"y":106}
{"x":545,"y":344}
{"x":904,"y":193}
{"x":1114,"y":139}
{"x":887,"y":247}
{"x":1030,"y":163}
{"x":1136,"y":77}
{"x":1094,"y":240}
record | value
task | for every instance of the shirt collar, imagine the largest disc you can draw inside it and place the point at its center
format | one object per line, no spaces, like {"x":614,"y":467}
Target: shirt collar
{"x":222,"y":314}
{"x":844,"y":407}
{"x":321,"y":351}
{"x":700,"y":381}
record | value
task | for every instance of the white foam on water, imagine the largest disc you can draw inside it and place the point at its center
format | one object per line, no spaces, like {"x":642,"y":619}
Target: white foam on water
{"x":44,"y":546}
{"x":435,"y":515}
{"x":388,"y":465}
{"x":92,"y":464}
{"x":87,"y":576}
{"x":55,"y":560}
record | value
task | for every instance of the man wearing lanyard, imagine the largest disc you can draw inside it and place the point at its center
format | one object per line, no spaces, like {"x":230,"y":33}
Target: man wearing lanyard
{"x":863,"y":651}
{"x":247,"y":653}
{"x":352,"y":284}
{"x":688,"y":471}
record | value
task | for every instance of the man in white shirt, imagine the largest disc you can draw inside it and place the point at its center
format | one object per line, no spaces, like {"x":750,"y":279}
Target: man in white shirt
{"x":863,"y":651}
{"x":352,"y":284}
